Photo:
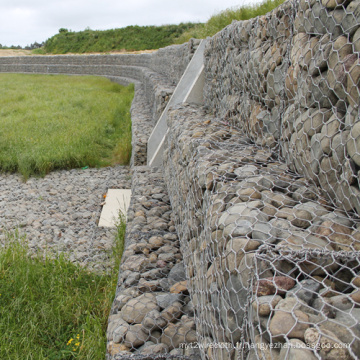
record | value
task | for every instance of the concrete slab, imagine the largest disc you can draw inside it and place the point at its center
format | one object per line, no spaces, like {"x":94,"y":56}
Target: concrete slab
{"x":189,"y":89}
{"x":116,"y":200}
{"x":196,"y":92}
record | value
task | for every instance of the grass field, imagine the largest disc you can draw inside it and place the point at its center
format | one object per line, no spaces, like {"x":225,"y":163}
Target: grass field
{"x":52,"y":122}
{"x":52,"y":309}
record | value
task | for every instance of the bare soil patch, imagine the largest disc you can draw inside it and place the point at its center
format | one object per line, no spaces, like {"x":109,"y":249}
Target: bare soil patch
{"x":13,"y":52}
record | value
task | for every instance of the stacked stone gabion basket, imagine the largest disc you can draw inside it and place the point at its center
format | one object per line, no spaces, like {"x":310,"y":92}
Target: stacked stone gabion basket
{"x":264,"y":183}
{"x":246,"y":245}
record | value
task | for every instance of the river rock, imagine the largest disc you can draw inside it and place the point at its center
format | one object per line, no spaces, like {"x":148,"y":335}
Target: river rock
{"x":120,"y":332}
{"x":136,"y":309}
{"x":176,"y":334}
{"x":307,"y":290}
{"x":165,"y":300}
{"x":346,"y":326}
{"x":135,"y":263}
{"x":172,"y":312}
{"x":236,"y":249}
{"x":330,"y":347}
{"x":295,"y":349}
{"x":179,"y":288}
{"x":153,"y":321}
{"x":154,"y":349}
{"x":177,"y":273}
{"x":290,"y":324}
{"x":339,"y":235}
{"x":275,"y":285}
{"x":263,"y":305}
{"x":135,"y":337}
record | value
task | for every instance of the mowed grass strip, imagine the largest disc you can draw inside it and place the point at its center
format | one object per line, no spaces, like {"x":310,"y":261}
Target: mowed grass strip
{"x":50,"y":122}
{"x":51,"y":308}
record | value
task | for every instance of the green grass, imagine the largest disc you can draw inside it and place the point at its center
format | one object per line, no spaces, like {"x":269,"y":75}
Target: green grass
{"x":53,"y":309}
{"x":220,"y":20}
{"x":129,"y":38}
{"x":50,"y":122}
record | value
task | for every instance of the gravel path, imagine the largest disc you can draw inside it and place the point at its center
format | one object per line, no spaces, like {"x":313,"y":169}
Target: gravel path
{"x":59,"y":213}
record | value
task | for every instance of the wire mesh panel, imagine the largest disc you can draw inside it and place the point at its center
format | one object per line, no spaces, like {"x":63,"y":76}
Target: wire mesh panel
{"x":263,"y":184}
{"x":273,"y":266}
{"x":152,"y":314}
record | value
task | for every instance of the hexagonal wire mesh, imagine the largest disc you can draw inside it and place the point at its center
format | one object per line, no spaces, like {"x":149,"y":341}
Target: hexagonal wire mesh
{"x":263,"y":182}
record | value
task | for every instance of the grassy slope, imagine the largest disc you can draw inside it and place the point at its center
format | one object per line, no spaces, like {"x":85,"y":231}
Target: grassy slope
{"x":130,"y":38}
{"x":150,"y":37}
{"x":51,"y":122}
{"x":224,"y":18}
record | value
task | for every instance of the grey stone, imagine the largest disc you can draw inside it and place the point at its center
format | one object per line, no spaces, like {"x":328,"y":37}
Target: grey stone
{"x":346,"y":326}
{"x":135,"y":337}
{"x":238,"y":228}
{"x":233,"y":314}
{"x":262,"y":232}
{"x":153,"y":321}
{"x":136,"y":263}
{"x":152,"y":348}
{"x":176,"y":334}
{"x":328,"y":131}
{"x":306,"y":290}
{"x":132,"y":279}
{"x":177,"y":273}
{"x":330,"y":345}
{"x":246,"y":171}
{"x":319,"y":60}
{"x":320,"y":93}
{"x":165,"y":300}
{"x":352,"y":79}
{"x":296,"y":350}
{"x":337,"y":76}
{"x":350,"y":22}
{"x":334,"y":303}
{"x":353,"y":143}
{"x":263,"y":305}
{"x":120,"y":332}
{"x":136,"y":309}
{"x":172,"y":312}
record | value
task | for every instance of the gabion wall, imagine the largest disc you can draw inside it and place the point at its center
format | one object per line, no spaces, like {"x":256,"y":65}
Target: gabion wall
{"x":263,"y":181}
{"x":290,"y":80}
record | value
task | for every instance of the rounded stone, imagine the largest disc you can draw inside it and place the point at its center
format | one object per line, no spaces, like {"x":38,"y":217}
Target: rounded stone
{"x":301,"y":218}
{"x":353,"y":143}
{"x":263,"y":305}
{"x":330,"y":347}
{"x":288,"y":324}
{"x":295,"y":349}
{"x":353,"y":79}
{"x":135,"y":337}
{"x":136,"y":309}
{"x":356,"y":281}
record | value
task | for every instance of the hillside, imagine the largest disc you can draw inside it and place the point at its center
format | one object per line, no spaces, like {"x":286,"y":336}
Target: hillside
{"x":130,"y":38}
{"x":139,"y":38}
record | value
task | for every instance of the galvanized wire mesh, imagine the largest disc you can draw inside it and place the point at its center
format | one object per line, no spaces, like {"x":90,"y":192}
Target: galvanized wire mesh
{"x":263,"y":183}
{"x":273,"y":267}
